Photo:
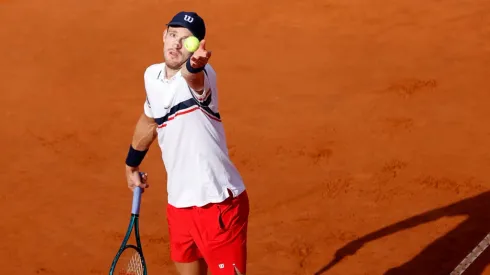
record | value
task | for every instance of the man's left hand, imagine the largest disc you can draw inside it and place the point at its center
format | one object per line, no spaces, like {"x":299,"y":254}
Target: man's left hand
{"x":201,"y":56}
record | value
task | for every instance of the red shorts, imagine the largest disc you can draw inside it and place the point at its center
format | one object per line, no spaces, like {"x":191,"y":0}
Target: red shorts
{"x":216,"y":232}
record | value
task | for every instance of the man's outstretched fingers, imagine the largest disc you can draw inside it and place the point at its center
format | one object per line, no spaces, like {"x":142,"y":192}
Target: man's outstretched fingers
{"x":202,"y":44}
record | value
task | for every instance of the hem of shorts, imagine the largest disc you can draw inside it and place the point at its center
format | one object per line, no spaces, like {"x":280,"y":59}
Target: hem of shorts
{"x":182,"y":261}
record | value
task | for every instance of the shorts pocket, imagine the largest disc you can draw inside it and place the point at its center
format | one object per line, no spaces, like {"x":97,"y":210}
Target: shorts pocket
{"x":223,"y":217}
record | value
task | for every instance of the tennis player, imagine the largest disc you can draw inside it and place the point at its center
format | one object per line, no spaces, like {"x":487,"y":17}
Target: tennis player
{"x":208,"y":205}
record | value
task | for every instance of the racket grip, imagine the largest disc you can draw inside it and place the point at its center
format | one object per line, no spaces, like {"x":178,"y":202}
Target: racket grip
{"x":136,"y":199}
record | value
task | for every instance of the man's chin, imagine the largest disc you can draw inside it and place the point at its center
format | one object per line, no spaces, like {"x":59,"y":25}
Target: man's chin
{"x":172,"y":64}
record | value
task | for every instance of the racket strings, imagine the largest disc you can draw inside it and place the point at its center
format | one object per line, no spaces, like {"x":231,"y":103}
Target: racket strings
{"x":134,"y":266}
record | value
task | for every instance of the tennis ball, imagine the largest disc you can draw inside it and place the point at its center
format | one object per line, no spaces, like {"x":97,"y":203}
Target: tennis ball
{"x":191,"y":43}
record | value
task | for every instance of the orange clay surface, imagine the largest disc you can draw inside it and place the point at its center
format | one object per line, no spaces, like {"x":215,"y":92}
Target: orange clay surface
{"x":361,"y":128}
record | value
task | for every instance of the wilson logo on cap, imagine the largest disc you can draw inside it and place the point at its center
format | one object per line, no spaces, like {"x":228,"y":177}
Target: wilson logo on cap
{"x":189,"y":18}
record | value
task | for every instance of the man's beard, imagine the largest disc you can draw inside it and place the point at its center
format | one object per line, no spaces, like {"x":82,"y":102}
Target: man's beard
{"x":177,"y":66}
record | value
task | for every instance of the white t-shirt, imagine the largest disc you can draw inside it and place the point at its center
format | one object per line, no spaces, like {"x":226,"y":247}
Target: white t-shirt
{"x":192,"y":139}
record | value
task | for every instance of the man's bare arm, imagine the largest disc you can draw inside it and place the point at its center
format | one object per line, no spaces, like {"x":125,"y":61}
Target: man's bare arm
{"x":143,"y":136}
{"x":199,"y":59}
{"x":144,"y":133}
{"x":194,"y":80}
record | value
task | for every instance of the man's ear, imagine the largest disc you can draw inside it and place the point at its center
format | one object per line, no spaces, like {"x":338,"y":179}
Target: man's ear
{"x":164,"y":35}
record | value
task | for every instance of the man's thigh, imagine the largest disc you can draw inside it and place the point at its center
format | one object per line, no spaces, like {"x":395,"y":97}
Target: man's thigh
{"x":222,"y":235}
{"x":183,"y":248}
{"x":198,"y":267}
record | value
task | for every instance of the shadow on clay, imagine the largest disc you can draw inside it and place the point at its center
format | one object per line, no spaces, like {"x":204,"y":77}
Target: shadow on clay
{"x":445,"y":253}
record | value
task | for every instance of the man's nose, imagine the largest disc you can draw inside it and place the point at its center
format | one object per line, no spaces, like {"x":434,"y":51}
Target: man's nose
{"x":178,"y":44}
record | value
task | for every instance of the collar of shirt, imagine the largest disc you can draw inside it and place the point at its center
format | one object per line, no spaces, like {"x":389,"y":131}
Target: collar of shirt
{"x":162,"y":76}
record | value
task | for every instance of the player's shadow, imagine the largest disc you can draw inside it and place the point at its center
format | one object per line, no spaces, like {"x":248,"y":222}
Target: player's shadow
{"x":445,"y":253}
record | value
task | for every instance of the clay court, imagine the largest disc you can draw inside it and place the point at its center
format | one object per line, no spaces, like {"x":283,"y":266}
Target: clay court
{"x":361,"y":129}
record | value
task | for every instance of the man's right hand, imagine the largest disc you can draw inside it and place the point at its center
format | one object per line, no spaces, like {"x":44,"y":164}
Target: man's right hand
{"x":134,"y":179}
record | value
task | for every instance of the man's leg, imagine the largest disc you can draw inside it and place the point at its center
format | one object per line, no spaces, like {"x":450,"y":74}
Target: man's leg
{"x":183,"y":250}
{"x":222,"y":237}
{"x":198,"y":267}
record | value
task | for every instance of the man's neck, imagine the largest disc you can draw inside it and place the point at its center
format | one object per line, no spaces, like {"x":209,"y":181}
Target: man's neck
{"x":171,"y":72}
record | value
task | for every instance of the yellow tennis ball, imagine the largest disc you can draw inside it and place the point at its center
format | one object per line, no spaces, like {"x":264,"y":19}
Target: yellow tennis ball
{"x":191,"y":43}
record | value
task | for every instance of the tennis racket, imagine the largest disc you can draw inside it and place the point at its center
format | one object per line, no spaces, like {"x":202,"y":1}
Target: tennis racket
{"x":129,"y":259}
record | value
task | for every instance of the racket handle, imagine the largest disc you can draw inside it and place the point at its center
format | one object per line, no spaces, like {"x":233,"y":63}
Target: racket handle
{"x":136,"y":198}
